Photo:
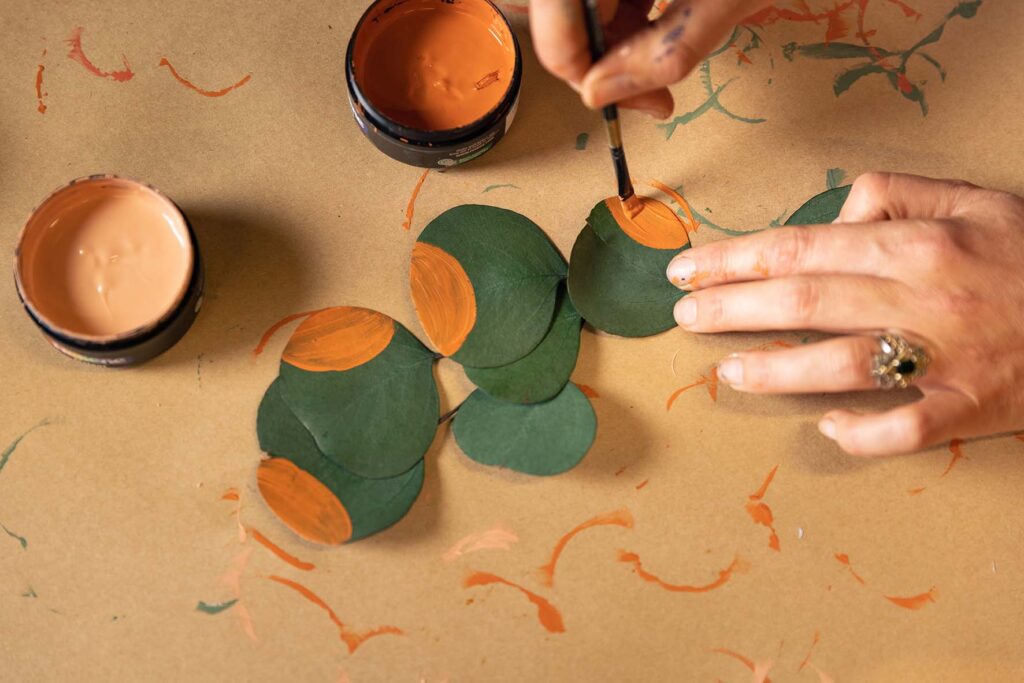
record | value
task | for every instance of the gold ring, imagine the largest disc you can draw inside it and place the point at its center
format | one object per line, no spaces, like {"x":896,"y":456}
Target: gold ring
{"x":898,"y":364}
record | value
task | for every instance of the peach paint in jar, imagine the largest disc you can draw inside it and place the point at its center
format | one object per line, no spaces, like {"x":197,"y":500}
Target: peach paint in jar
{"x":109,"y":269}
{"x":433,"y":83}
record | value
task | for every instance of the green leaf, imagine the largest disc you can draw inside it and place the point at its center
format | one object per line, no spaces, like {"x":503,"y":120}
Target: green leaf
{"x":541,"y":439}
{"x":835,"y":51}
{"x":542,"y":373}
{"x":618,"y":285}
{"x":377,"y":419}
{"x":514,"y":271}
{"x":847,"y":78}
{"x":833,"y":177}
{"x":821,"y":208}
{"x":372,"y":504}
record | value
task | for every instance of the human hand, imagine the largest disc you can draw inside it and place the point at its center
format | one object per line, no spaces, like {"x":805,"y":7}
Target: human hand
{"x":938,"y":262}
{"x":644,"y":56}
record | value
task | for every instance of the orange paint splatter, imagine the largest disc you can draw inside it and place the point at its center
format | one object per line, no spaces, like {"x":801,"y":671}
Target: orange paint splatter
{"x":230,"y":494}
{"x":621,"y":518}
{"x":738,"y":566}
{"x":339,"y":339}
{"x":807,"y":657}
{"x":621,"y":470}
{"x":443,"y":295}
{"x":498,"y":538}
{"x":192,"y":86}
{"x":75,"y":53}
{"x":746,"y":661}
{"x":642,"y":484}
{"x":956,"y":448}
{"x":281,"y":552}
{"x":588,"y":391}
{"x":691,"y":224}
{"x":303,"y":503}
{"x":742,"y":58}
{"x":272,"y":330}
{"x":410,"y":208}
{"x":351,"y":639}
{"x":844,"y":559}
{"x":549,"y":616}
{"x":914,"y":601}
{"x":710,"y":381}
{"x":41,"y":106}
{"x":655,"y":225}
{"x":760,"y":513}
{"x":918,"y":490}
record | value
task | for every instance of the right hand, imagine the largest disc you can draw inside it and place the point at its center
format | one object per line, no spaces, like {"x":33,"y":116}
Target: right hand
{"x":644,"y":56}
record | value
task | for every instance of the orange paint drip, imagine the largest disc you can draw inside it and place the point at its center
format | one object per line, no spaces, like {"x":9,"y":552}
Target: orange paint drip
{"x":272,"y":330}
{"x":230,"y":494}
{"x":75,"y":53}
{"x":844,"y":559}
{"x":410,"y":208}
{"x":746,"y":661}
{"x":760,"y":493}
{"x":917,"y":491}
{"x":621,"y":518}
{"x":655,"y":225}
{"x":710,"y":382}
{"x":303,"y":503}
{"x":339,"y":339}
{"x":588,"y":391}
{"x":281,"y":552}
{"x":760,"y":513}
{"x":956,"y":448}
{"x":642,"y":484}
{"x":807,"y":657}
{"x":738,"y":566}
{"x":549,"y":616}
{"x":41,"y":106}
{"x":621,"y":470}
{"x":691,"y":224}
{"x":351,"y":639}
{"x":914,"y":601}
{"x":202,"y":91}
{"x":443,"y":295}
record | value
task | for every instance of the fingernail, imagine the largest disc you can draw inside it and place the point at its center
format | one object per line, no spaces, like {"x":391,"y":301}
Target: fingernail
{"x":680,"y":270}
{"x":608,"y":89}
{"x":828,"y":427}
{"x":659,"y":114}
{"x":686,"y":312}
{"x":730,"y":371}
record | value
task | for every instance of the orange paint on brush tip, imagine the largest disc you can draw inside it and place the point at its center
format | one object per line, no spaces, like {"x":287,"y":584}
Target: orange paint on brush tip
{"x":432,"y":65}
{"x":654,"y":225}
{"x":281,"y":552}
{"x":272,"y":330}
{"x":588,"y":391}
{"x":351,"y":638}
{"x":621,"y":517}
{"x":305,"y":505}
{"x":75,"y":53}
{"x":443,"y":296}
{"x":40,"y":106}
{"x":410,"y":208}
{"x":202,"y":91}
{"x":914,"y":601}
{"x":844,"y":559}
{"x":339,"y":339}
{"x":549,"y":616}
{"x":760,"y":513}
{"x":738,"y":566}
{"x":691,"y":224}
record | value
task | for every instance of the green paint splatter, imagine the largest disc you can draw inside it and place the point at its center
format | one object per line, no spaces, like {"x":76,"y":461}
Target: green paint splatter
{"x":834,"y":177}
{"x":498,"y":187}
{"x":712,"y":102}
{"x":6,"y":455}
{"x":30,"y":593}
{"x":20,"y":539}
{"x":216,"y":607}
{"x":581,"y":141}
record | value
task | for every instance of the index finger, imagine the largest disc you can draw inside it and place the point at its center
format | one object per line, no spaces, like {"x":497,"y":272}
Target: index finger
{"x":560,"y":35}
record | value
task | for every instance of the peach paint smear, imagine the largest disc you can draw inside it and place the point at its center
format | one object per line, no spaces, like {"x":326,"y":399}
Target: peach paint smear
{"x":351,"y":639}
{"x":761,"y":513}
{"x":914,"y":601}
{"x":588,"y":391}
{"x":40,"y":93}
{"x":202,"y":91}
{"x":549,"y":616}
{"x":956,"y":453}
{"x":623,"y":518}
{"x":410,"y":208}
{"x":233,"y":495}
{"x":233,"y":579}
{"x":844,"y":559}
{"x":498,"y":538}
{"x":759,"y":669}
{"x":75,"y":53}
{"x":273,"y":329}
{"x":738,"y":566}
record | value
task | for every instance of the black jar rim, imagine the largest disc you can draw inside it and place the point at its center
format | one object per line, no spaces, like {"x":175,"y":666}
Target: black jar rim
{"x":431,"y":138}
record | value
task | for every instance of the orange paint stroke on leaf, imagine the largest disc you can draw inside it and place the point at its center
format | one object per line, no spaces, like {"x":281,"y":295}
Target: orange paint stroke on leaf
{"x":642,"y":484}
{"x":914,"y":601}
{"x":759,"y":511}
{"x":844,"y":559}
{"x":691,"y":223}
{"x":410,"y":208}
{"x":738,"y":566}
{"x":281,"y":552}
{"x":40,"y":94}
{"x":745,"y":661}
{"x":588,"y":391}
{"x":272,"y":330}
{"x":351,"y":639}
{"x":810,"y":651}
{"x":621,"y":517}
{"x":75,"y":53}
{"x":549,"y":616}
{"x":498,"y":538}
{"x":202,"y":91}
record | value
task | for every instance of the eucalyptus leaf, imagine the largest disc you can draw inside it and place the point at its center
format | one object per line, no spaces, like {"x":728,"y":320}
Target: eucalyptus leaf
{"x":821,"y":208}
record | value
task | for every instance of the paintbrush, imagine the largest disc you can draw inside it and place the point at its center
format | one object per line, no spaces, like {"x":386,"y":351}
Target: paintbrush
{"x":595,"y":35}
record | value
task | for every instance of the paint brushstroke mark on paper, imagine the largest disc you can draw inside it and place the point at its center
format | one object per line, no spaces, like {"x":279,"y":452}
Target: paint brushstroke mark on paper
{"x":215,"y":607}
{"x":844,"y":559}
{"x":13,"y":446}
{"x":956,"y":454}
{"x":202,"y":91}
{"x":588,"y":391}
{"x":233,"y":579}
{"x":491,"y":188}
{"x":273,"y":329}
{"x":548,"y":615}
{"x":710,"y":381}
{"x":712,"y":102}
{"x":77,"y":54}
{"x":760,"y":513}
{"x":497,"y":538}
{"x":20,"y":539}
{"x":581,"y":141}
{"x":738,"y":566}
{"x":410,"y":208}
{"x":351,"y":638}
{"x":642,"y":484}
{"x":40,"y":93}
{"x":281,"y":552}
{"x":30,"y":593}
{"x":759,"y":670}
{"x":914,"y":601}
{"x":621,"y":517}
{"x":807,"y":658}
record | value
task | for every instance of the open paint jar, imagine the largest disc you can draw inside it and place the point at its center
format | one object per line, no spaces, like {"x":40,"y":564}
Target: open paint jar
{"x":109,"y":269}
{"x":433,"y":82}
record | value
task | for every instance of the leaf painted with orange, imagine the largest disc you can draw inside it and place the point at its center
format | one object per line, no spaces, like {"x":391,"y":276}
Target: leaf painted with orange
{"x":655,"y":226}
{"x":339,"y":339}
{"x":305,"y":505}
{"x":443,"y":296}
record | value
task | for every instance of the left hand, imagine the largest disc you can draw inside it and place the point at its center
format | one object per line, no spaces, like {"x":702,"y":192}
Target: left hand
{"x":940,"y":263}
